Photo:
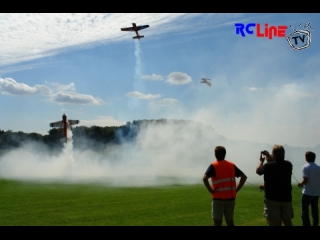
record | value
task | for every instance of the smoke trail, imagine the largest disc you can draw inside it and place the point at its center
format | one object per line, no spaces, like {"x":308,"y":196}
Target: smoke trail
{"x":137,"y":53}
{"x":68,"y":148}
{"x":137,"y":84}
{"x":67,"y":157}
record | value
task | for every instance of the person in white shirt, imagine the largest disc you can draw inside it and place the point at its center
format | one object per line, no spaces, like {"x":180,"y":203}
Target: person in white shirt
{"x":311,"y":190}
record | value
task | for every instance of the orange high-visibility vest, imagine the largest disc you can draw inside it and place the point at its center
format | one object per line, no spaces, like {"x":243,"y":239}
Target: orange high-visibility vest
{"x":224,"y":181}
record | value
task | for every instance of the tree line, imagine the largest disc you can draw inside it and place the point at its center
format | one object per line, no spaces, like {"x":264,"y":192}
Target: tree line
{"x":94,"y":137}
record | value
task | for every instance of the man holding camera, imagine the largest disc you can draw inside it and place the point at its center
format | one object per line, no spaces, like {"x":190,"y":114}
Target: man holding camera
{"x":277,"y":185}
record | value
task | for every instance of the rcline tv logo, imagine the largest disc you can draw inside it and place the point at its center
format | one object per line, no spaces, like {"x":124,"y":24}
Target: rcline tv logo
{"x":297,"y":40}
{"x":300,"y":39}
{"x":268,"y":32}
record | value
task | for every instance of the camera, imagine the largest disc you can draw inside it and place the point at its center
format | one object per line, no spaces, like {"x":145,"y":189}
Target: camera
{"x":263,"y":152}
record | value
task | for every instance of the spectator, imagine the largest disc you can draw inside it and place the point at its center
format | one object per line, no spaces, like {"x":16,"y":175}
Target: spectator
{"x":277,"y":186}
{"x":224,"y":189}
{"x":311,"y":190}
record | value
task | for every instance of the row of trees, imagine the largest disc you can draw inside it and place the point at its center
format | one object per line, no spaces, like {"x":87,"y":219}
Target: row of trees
{"x":94,"y":137}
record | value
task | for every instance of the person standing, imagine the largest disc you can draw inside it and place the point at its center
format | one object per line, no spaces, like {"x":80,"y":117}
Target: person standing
{"x":311,"y":190}
{"x":224,"y":188}
{"x":277,"y":185}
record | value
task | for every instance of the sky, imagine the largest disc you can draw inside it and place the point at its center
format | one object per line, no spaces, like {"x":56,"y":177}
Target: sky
{"x":83,"y":65}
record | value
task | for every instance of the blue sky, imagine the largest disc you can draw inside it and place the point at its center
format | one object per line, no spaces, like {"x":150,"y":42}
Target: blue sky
{"x":83,"y":65}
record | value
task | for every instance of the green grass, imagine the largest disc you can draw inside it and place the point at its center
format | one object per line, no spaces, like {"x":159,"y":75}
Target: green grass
{"x":35,"y":204}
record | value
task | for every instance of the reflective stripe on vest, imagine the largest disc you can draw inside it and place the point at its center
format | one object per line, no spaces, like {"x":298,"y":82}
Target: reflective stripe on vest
{"x":224,"y":182}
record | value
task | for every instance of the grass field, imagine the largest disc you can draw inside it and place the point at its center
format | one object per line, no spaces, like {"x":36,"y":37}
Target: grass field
{"x":38,"y":204}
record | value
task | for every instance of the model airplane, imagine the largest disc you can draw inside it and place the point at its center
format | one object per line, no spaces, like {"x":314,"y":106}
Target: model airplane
{"x":65,"y":124}
{"x":135,"y":28}
{"x":206,"y":81}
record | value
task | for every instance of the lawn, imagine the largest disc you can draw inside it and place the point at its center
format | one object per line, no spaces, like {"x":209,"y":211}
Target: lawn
{"x":53,"y":204}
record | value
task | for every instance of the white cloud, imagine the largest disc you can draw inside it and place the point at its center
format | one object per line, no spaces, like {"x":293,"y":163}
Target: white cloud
{"x":22,"y":67}
{"x":60,"y":87}
{"x":28,"y":36}
{"x":255,"y":89}
{"x":294,"y":91}
{"x":103,"y":121}
{"x":139,"y":95}
{"x":283,"y":114}
{"x":153,"y":77}
{"x":61,"y":95}
{"x":167,"y":101}
{"x":12,"y":87}
{"x":75,"y":98}
{"x":178,"y":78}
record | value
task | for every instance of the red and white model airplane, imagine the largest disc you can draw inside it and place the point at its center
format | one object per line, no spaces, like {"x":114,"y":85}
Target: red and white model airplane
{"x":135,"y":28}
{"x":206,"y":81}
{"x":65,"y":124}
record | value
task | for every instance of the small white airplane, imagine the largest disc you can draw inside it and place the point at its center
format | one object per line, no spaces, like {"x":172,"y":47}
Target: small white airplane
{"x":206,"y":81}
{"x":65,"y":124}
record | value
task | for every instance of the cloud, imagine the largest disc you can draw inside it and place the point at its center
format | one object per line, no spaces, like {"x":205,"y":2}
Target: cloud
{"x":28,"y":36}
{"x":255,"y":89}
{"x":103,"y":121}
{"x":22,"y":67}
{"x":139,"y":95}
{"x":12,"y":87}
{"x":167,"y":101}
{"x":75,"y":98}
{"x":73,"y":110}
{"x":61,"y":87}
{"x":281,"y":113}
{"x":61,"y":95}
{"x":178,"y":78}
{"x":294,"y":91}
{"x":153,"y":77}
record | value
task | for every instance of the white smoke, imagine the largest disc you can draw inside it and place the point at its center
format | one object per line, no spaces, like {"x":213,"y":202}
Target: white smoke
{"x":171,"y":153}
{"x":137,"y":53}
{"x":138,"y":85}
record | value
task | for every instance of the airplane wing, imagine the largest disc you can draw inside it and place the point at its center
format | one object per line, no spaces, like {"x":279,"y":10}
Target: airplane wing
{"x":128,"y":29}
{"x":134,"y":29}
{"x":56,"y":124}
{"x":142,"y":27}
{"x":73,"y":122}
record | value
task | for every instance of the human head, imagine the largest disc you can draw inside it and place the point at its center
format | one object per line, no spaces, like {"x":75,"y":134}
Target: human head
{"x":310,"y":156}
{"x":278,"y":151}
{"x":220,"y":152}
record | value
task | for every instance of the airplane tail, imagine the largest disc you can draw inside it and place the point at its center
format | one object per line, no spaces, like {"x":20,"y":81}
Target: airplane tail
{"x":138,"y":37}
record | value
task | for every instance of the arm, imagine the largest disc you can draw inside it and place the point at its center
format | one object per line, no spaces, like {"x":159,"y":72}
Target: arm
{"x":260,"y":163}
{"x":241,"y":182}
{"x":206,"y":183}
{"x":303,"y":182}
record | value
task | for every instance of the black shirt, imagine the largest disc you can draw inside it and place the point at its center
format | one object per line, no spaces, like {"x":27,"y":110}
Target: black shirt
{"x":277,"y":180}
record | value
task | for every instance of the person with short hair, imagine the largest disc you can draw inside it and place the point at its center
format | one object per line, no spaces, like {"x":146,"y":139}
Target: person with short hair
{"x":311,"y":190}
{"x":224,"y":188}
{"x":277,"y":186}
